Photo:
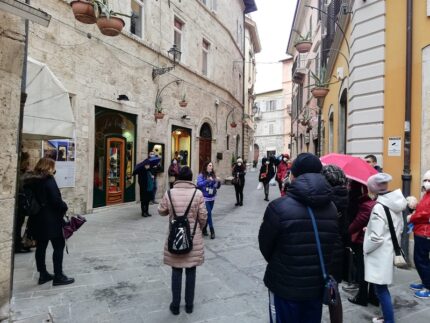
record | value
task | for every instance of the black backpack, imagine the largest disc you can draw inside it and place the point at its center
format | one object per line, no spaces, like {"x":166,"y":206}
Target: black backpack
{"x":180,"y":240}
{"x":28,"y":203}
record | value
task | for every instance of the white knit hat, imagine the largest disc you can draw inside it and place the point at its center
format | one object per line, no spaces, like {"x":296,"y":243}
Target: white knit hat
{"x":378,"y":183}
{"x":426,"y":175}
{"x":239,"y":160}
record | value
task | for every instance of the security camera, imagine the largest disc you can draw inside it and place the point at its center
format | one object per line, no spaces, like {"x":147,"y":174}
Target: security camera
{"x":216,"y":102}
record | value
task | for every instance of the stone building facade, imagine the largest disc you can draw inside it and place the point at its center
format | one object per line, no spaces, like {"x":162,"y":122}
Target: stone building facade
{"x":112,"y":134}
{"x":11,"y":60}
{"x":270,"y":124}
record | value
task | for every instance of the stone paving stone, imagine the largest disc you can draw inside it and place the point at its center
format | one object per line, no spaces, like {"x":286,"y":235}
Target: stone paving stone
{"x":117,"y":261}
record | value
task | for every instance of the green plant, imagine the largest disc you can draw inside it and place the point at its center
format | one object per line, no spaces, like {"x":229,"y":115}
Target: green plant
{"x":322,"y":80}
{"x":158,"y":107}
{"x":301,"y":38}
{"x":184,"y":97}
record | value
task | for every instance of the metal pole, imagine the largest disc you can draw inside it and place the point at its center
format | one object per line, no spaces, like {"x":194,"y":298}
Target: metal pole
{"x":406,"y":176}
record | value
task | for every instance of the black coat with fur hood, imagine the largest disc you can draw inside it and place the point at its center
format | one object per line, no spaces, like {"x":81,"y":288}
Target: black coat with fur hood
{"x":48,"y":223}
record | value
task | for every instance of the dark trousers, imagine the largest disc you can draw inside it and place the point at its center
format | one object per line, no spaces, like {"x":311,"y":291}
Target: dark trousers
{"x":239,"y":193}
{"x":145,"y":197}
{"x":266,"y":186}
{"x":57,"y":257}
{"x":283,"y":311}
{"x":18,"y":228}
{"x":190,"y":284}
{"x":154,"y":191}
{"x":366,"y":291}
{"x":421,"y":259}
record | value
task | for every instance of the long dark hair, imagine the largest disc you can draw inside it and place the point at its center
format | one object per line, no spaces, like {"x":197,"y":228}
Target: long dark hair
{"x":205,"y":169}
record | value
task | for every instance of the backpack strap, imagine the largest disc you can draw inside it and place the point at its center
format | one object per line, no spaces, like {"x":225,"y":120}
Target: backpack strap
{"x":171,"y":204}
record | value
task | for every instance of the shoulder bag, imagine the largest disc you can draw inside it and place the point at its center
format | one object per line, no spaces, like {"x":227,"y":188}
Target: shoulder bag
{"x":399,"y":258}
{"x":331,"y":296}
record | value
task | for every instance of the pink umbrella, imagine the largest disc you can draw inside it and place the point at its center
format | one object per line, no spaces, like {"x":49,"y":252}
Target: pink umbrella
{"x":354,"y":168}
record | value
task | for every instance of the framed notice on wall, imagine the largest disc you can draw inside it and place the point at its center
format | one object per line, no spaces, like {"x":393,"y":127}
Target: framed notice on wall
{"x":63,"y":151}
{"x":158,"y":149}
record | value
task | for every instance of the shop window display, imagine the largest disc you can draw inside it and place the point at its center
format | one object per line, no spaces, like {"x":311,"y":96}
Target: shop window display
{"x":181,"y":145}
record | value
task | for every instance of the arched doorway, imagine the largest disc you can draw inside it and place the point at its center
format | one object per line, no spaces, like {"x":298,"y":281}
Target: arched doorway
{"x":205,"y":145}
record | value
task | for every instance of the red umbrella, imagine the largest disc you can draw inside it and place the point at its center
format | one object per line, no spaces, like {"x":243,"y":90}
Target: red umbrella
{"x":354,"y":168}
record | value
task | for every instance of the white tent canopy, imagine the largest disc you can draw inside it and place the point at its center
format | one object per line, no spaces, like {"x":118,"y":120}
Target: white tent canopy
{"x":47,"y":112}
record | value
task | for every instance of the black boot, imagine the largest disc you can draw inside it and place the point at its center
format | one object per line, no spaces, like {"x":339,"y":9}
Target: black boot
{"x":189,"y":309}
{"x":266,"y":198}
{"x":212,"y":233}
{"x":205,"y":230}
{"x":45,"y":277}
{"x":174,"y":309}
{"x":61,"y":279}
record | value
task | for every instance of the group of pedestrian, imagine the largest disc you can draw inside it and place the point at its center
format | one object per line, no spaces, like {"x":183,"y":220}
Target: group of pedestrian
{"x":41,"y":202}
{"x":366,"y":218}
{"x":278,"y":168}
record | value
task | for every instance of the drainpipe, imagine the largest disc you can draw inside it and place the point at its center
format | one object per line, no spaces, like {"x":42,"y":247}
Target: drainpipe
{"x":243,"y":91}
{"x":406,"y":176}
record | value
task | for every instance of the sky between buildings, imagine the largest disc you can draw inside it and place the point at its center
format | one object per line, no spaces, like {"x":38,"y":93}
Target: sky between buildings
{"x":274,"y":19}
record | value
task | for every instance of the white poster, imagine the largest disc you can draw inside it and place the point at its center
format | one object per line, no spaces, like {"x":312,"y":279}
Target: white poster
{"x":394,"y":146}
{"x":63,"y":151}
{"x":65,"y":175}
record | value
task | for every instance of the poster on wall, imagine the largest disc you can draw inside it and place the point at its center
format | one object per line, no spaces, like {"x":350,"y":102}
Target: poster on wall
{"x":394,"y":146}
{"x":63,"y":151}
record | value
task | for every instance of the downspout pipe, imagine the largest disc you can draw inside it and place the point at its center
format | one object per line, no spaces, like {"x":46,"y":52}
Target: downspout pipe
{"x":244,"y":89}
{"x":406,"y":176}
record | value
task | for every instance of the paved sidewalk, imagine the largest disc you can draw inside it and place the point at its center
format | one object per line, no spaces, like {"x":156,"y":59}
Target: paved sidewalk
{"x":116,"y":259}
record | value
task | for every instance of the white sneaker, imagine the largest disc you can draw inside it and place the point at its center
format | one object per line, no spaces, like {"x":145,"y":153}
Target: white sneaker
{"x":378,"y":320}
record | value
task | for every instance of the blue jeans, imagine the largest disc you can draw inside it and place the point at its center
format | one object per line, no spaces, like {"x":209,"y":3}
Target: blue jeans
{"x":283,"y":311}
{"x":421,"y":259}
{"x":209,"y":207}
{"x":385,"y":300}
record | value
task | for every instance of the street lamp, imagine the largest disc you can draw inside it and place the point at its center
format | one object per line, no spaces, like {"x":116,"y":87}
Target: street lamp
{"x":175,"y":55}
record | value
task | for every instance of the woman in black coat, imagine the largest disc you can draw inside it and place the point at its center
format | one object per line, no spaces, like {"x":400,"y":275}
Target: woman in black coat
{"x":238,"y":173}
{"x":267,"y":171}
{"x":47,"y":224}
{"x":146,"y":180}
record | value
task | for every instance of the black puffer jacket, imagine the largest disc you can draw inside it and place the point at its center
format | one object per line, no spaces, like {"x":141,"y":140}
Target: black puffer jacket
{"x":287,"y":239}
{"x":48,"y":223}
{"x":340,"y":199}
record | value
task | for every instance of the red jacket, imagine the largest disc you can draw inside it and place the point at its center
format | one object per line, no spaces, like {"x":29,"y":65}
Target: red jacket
{"x":421,"y":217}
{"x":282,"y":171}
{"x":360,"y":221}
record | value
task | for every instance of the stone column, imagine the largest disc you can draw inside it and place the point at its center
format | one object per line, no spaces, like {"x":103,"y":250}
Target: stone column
{"x":11,"y":60}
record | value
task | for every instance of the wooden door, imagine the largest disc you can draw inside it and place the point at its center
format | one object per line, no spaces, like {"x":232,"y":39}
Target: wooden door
{"x":205,"y":149}
{"x":115,"y":163}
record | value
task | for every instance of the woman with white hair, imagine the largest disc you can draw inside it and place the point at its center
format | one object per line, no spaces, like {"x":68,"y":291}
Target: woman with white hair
{"x":421,"y":221}
{"x":378,"y":246}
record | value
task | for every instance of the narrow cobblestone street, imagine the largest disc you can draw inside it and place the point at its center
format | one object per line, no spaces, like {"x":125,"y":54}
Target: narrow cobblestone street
{"x":116,"y":259}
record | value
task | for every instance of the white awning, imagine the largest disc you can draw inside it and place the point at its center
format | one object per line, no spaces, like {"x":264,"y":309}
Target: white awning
{"x":47,"y":112}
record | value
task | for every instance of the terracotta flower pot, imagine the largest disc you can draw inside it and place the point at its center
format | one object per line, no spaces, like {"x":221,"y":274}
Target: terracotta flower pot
{"x":110,"y":26}
{"x":83,"y":11}
{"x":303,"y":47}
{"x":158,"y":115}
{"x":319,"y":92}
{"x":233,"y":124}
{"x":183,"y":104}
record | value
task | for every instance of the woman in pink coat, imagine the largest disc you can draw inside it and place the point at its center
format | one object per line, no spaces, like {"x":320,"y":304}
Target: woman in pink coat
{"x":181,"y":193}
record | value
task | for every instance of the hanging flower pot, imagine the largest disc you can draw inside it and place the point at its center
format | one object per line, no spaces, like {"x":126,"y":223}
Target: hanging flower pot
{"x":320,"y":92}
{"x":233,"y":124}
{"x":110,"y":26}
{"x":304,"y":122}
{"x":158,"y":115}
{"x":183,"y":103}
{"x":83,"y":11}
{"x":303,"y":46}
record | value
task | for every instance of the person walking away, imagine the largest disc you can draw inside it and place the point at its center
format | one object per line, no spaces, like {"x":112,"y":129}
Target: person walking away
{"x":155,"y":169}
{"x":47,"y":225}
{"x":238,"y":174}
{"x":366,"y":292}
{"x":24,"y":172}
{"x":173,"y":172}
{"x":377,"y":244}
{"x":146,"y":185}
{"x":282,"y":171}
{"x":208,"y":183}
{"x":266,"y":174}
{"x":421,"y":222}
{"x":287,"y":242}
{"x":372,"y":161}
{"x":181,"y":194}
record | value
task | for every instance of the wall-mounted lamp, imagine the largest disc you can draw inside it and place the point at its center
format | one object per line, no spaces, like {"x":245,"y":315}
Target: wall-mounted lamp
{"x":254,"y":108}
{"x":175,"y":55}
{"x":122,"y":97}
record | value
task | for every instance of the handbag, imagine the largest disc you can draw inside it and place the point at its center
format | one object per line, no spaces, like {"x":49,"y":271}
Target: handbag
{"x":235,"y":181}
{"x":331,"y":296}
{"x":260,"y":186}
{"x":72,"y":224}
{"x":399,"y":259}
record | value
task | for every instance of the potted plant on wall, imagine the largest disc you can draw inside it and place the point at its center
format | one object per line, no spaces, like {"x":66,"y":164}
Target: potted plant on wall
{"x":320,"y":89}
{"x":183,"y":103}
{"x":158,"y":114}
{"x":83,"y":10}
{"x":303,"y":44}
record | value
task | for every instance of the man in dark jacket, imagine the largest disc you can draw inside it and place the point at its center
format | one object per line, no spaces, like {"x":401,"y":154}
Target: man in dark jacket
{"x":146,"y":185}
{"x":287,"y":242}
